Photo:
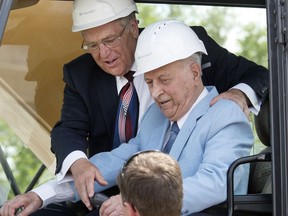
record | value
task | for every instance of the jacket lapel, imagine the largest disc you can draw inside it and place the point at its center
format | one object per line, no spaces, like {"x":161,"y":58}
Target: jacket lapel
{"x":190,"y":123}
{"x":106,"y":91}
{"x":157,"y":137}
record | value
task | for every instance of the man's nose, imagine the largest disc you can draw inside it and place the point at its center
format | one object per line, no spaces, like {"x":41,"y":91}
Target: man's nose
{"x":104,"y":50}
{"x":156,"y":90}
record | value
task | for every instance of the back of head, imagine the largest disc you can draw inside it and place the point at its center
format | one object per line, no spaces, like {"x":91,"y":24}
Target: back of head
{"x":164,"y":42}
{"x":92,"y":13}
{"x":152,"y":183}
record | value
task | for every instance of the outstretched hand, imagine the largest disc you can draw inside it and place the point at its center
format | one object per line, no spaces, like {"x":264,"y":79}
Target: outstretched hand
{"x":29,"y":203}
{"x":84,"y":174}
{"x":237,"y":96}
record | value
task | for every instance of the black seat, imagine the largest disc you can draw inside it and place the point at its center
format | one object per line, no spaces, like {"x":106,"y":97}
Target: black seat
{"x":260,"y":173}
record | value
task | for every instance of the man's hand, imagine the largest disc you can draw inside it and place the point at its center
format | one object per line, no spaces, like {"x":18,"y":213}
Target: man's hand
{"x":29,"y":203}
{"x":237,"y":96}
{"x":112,"y":206}
{"x":84,"y":174}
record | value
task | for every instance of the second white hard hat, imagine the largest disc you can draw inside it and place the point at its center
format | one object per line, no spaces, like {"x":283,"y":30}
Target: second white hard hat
{"x":92,"y":13}
{"x":164,"y":42}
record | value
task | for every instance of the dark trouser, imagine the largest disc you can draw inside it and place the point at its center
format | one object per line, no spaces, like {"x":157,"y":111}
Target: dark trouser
{"x":64,"y":209}
{"x":72,"y":209}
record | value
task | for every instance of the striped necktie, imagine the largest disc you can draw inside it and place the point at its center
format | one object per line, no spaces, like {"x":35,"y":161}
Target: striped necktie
{"x":127,"y":116}
{"x":173,"y":134}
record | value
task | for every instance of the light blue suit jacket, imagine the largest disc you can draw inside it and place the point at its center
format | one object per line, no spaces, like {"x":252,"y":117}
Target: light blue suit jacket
{"x":209,"y":141}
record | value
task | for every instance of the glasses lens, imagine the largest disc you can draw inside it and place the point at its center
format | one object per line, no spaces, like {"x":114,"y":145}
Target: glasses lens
{"x":111,"y":42}
{"x":93,"y":47}
{"x":108,"y":42}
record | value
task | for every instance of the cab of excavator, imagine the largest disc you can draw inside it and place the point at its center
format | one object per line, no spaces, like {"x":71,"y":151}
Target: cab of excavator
{"x":36,"y":41}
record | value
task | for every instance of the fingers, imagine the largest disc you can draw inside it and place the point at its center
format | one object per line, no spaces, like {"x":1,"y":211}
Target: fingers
{"x":112,"y":207}
{"x":237,"y":96}
{"x":247,"y":113}
{"x":214,"y":100}
{"x":84,"y":183}
{"x":10,"y":207}
{"x":84,"y":175}
{"x":28,"y":203}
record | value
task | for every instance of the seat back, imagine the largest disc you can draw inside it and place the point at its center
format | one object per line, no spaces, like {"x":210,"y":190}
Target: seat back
{"x":260,"y":172}
{"x":262,"y":123}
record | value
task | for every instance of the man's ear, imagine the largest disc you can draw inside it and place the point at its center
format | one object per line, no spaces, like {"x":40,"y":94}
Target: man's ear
{"x":132,"y":211}
{"x":196,"y":70}
{"x":134,"y":27}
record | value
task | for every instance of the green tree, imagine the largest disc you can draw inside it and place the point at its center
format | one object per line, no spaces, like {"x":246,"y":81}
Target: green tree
{"x":253,"y":44}
{"x":218,"y":23}
{"x":23,"y":163}
{"x":147,"y":14}
{"x":215,"y":19}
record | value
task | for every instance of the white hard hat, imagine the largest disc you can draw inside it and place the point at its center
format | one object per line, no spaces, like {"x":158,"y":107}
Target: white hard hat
{"x":164,"y":42}
{"x":92,"y":13}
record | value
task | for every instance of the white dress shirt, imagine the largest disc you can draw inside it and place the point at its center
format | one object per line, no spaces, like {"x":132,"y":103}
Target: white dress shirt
{"x":146,"y":100}
{"x":250,"y":93}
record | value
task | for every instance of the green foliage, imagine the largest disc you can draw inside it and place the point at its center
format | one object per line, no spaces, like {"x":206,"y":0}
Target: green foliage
{"x":147,"y":15}
{"x":253,"y":44}
{"x":215,"y":20}
{"x":219,"y":22}
{"x":21,"y":160}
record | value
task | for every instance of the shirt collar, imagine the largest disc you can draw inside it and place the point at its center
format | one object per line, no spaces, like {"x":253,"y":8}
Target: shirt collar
{"x":181,"y":121}
{"x":119,"y":78}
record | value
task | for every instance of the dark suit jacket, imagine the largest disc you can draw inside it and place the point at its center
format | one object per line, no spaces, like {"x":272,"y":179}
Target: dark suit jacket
{"x":90,"y":97}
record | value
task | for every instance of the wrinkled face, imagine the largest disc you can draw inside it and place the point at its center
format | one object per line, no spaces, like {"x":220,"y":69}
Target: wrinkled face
{"x":119,"y":59}
{"x":175,"y":87}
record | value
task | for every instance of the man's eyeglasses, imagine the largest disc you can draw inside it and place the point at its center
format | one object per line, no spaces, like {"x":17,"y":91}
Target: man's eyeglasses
{"x":126,"y":163}
{"x":109,"y":42}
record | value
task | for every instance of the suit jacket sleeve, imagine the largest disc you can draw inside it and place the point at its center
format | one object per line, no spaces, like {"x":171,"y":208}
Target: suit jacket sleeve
{"x":225,"y":70}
